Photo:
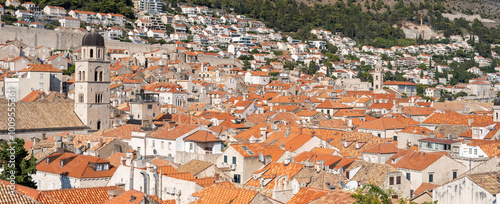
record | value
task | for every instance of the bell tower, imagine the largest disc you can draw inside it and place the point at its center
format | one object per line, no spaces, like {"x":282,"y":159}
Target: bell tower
{"x":92,"y":81}
{"x":378,"y":78}
{"x":496,"y":110}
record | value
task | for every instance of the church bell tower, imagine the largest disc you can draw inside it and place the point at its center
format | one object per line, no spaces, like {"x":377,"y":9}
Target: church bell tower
{"x":378,"y":78}
{"x":92,"y":81}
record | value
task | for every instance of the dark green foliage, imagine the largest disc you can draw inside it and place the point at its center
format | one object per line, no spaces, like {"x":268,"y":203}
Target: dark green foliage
{"x":9,"y":20}
{"x":289,"y":65}
{"x":246,"y":64}
{"x":312,"y":68}
{"x":22,"y":167}
{"x":70,"y":70}
{"x":123,"y":7}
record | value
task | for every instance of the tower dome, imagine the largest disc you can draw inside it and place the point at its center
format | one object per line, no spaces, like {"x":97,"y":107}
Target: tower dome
{"x":93,"y":38}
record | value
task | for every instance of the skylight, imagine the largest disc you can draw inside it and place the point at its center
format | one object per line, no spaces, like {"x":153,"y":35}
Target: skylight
{"x":247,"y":150}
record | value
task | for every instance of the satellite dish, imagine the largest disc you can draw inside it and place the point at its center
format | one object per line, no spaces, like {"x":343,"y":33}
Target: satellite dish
{"x":352,"y":185}
{"x":261,"y":158}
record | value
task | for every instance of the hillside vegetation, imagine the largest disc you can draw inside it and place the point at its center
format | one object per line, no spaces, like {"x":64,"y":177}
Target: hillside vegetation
{"x":123,"y":7}
{"x":367,"y":27}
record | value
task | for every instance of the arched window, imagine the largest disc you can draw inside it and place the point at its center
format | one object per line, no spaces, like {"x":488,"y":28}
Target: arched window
{"x":83,"y":53}
{"x":100,"y":76}
{"x":96,"y":75}
{"x":376,"y":77}
{"x":79,"y":75}
{"x":91,"y":53}
{"x":497,"y":116}
{"x":99,"y":53}
{"x":83,"y":76}
{"x":98,"y":125}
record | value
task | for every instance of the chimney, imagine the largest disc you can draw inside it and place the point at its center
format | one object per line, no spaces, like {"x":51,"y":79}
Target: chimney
{"x":44,"y":136}
{"x":58,"y":144}
{"x":216,"y":177}
{"x":156,"y":177}
{"x":287,"y":131}
{"x":319,"y":165}
{"x":263,"y":132}
{"x":70,"y":139}
{"x":146,"y":183}
{"x":245,"y":96}
{"x":349,"y":123}
{"x":131,"y":175}
{"x":300,"y":130}
{"x":470,"y":121}
{"x":357,"y":145}
{"x":114,"y":192}
{"x":345,"y":143}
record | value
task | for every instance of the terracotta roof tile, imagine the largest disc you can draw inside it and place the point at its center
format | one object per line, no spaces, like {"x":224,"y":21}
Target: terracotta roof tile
{"x":488,"y":181}
{"x":130,"y":197}
{"x":74,"y":165}
{"x":329,"y":104}
{"x":40,"y":68}
{"x":338,"y":196}
{"x":95,"y":195}
{"x":116,"y":158}
{"x":307,"y":195}
{"x":383,"y":124}
{"x":274,"y":170}
{"x":202,"y":136}
{"x":425,"y":187}
{"x":218,"y":194}
{"x":384,"y":148}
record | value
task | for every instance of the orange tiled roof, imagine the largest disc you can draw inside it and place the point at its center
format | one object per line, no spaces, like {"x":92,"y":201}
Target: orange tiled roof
{"x":40,"y":68}
{"x":384,"y":148}
{"x":94,"y":195}
{"x":202,"y":136}
{"x":425,"y":187}
{"x":418,"y":160}
{"x":122,"y":132}
{"x":219,"y":194}
{"x":256,"y":148}
{"x":274,"y":170}
{"x":454,"y":118}
{"x":165,"y":132}
{"x":78,"y":166}
{"x":307,"y":195}
{"x":116,"y":158}
{"x":130,"y":197}
{"x":329,"y":104}
{"x":383,"y":124}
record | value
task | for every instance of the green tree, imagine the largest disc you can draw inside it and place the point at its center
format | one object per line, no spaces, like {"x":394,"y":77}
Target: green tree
{"x":289,"y":65}
{"x":372,"y":194}
{"x":15,"y":162}
{"x":422,"y":66}
{"x":246,"y":65}
{"x":70,"y":70}
{"x":498,"y":94}
{"x":312,"y":68}
{"x":420,"y":89}
{"x":331,"y":48}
